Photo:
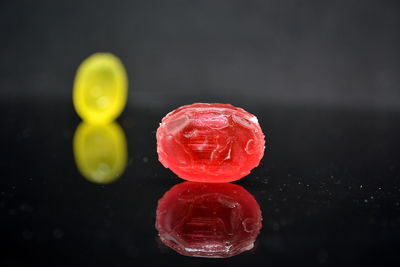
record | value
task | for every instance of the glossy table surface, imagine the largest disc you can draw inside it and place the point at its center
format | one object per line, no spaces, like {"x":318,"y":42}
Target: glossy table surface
{"x":328,"y":187}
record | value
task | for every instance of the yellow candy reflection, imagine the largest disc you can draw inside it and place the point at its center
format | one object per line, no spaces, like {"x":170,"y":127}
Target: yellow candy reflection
{"x":100,"y":152}
{"x":100,"y":88}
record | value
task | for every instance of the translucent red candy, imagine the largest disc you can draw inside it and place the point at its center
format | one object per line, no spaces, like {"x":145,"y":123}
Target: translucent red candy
{"x":210,"y":142}
{"x":208,"y":220}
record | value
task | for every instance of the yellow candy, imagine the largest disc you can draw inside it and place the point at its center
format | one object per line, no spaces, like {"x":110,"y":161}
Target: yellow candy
{"x":100,"y":88}
{"x":100,"y":152}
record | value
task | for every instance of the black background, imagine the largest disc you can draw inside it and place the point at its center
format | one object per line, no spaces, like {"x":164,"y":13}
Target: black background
{"x":322,"y":77}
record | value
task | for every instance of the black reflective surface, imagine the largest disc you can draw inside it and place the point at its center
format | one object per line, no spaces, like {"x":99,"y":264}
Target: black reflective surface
{"x":328,"y":188}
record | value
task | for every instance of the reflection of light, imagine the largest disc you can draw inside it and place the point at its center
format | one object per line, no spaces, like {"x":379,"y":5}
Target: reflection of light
{"x":208,"y":220}
{"x":100,"y":152}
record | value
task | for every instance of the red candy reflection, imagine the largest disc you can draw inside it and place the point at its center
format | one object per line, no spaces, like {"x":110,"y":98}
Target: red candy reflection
{"x":208,"y":220}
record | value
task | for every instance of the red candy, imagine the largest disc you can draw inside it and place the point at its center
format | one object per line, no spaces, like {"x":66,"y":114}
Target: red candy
{"x":208,"y":220}
{"x":210,"y":142}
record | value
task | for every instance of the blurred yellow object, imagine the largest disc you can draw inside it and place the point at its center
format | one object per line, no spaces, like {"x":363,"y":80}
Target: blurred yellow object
{"x":100,"y":88}
{"x":100,"y":152}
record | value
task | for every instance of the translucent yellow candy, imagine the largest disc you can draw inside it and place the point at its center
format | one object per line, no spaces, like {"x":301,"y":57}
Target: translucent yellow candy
{"x":100,"y":152}
{"x":100,"y":88}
